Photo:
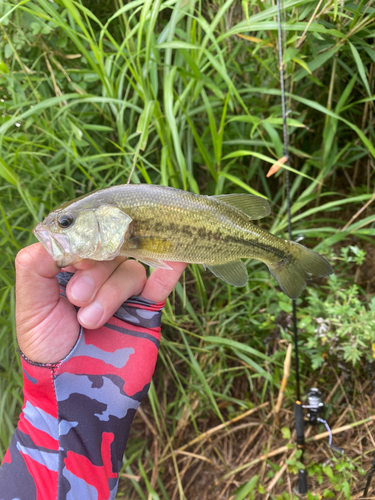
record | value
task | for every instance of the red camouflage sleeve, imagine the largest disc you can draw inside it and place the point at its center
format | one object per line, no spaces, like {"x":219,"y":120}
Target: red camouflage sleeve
{"x":77,"y":413}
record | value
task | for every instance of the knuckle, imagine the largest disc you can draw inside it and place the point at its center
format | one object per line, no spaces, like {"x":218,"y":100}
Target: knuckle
{"x":25,"y":257}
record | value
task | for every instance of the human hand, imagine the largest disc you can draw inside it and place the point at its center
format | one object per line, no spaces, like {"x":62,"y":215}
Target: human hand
{"x":48,"y":325}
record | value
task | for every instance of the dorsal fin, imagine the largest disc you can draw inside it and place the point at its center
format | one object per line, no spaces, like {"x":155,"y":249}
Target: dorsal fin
{"x":254,"y":207}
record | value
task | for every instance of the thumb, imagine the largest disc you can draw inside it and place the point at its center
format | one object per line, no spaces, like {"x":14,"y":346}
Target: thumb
{"x":37,"y":290}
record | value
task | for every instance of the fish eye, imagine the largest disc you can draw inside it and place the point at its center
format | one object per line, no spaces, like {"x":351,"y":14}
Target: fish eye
{"x":65,"y":220}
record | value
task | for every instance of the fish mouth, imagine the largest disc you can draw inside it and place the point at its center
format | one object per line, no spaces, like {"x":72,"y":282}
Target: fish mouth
{"x":57,"y":245}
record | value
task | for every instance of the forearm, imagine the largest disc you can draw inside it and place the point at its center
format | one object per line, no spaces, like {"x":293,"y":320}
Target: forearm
{"x":77,"y":413}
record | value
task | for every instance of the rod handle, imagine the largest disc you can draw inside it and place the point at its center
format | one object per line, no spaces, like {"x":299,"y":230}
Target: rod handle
{"x":299,"y":422}
{"x":302,"y":481}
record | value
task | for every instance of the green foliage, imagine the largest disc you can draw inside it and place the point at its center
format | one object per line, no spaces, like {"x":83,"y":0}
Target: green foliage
{"x":285,"y":431}
{"x":341,"y":472}
{"x":295,"y":463}
{"x":247,"y":491}
{"x":336,"y":477}
{"x":339,"y":324}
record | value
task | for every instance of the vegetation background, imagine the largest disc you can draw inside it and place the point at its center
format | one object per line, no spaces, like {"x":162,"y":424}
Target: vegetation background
{"x":187,"y":91}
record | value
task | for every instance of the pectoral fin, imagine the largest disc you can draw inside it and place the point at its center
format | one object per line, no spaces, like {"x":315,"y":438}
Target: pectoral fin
{"x":234,"y":273}
{"x":254,"y":207}
{"x":155,"y":263}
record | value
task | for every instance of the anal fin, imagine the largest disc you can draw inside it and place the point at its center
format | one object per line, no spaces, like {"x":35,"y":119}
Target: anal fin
{"x":234,"y":273}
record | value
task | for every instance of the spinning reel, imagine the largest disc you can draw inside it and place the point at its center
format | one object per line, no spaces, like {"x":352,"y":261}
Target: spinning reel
{"x":314,"y":406}
{"x":315,"y":409}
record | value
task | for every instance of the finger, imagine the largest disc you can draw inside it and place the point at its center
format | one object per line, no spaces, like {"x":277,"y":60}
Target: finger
{"x":86,"y":282}
{"x":127,"y":280}
{"x":81,"y":264}
{"x":84,"y":264}
{"x":162,"y":281}
{"x":36,"y":285}
{"x":69,"y":269}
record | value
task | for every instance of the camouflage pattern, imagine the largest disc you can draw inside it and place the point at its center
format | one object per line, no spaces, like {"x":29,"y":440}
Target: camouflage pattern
{"x":77,"y":413}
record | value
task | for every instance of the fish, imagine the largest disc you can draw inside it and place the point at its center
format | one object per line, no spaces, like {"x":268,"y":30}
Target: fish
{"x":155,"y":224}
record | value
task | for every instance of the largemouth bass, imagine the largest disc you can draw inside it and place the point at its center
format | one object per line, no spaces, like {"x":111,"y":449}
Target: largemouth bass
{"x":154,"y":224}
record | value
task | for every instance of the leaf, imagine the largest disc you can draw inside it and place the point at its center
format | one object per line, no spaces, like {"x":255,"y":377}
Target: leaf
{"x":268,"y":159}
{"x":346,"y":94}
{"x":201,"y":147}
{"x":7,"y":51}
{"x":275,"y":138}
{"x":187,"y":304}
{"x":285,"y":431}
{"x":47,"y":103}
{"x":316,"y":63}
{"x":255,"y":366}
{"x":7,"y":173}
{"x":279,"y":121}
{"x":346,"y":489}
{"x":198,"y":371}
{"x":326,"y":111}
{"x":4,"y":17}
{"x":361,"y":68}
{"x":241,"y":184}
{"x":100,"y":128}
{"x":152,"y":493}
{"x":302,"y":63}
{"x":245,"y":489}
{"x":4,"y":68}
{"x":255,"y":40}
{"x":232,"y":344}
{"x":144,"y":123}
{"x":172,"y":122}
{"x":289,"y":54}
{"x":328,"y":471}
{"x":328,"y":493}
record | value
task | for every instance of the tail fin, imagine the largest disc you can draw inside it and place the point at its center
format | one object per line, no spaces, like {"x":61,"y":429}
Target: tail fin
{"x":292,"y":273}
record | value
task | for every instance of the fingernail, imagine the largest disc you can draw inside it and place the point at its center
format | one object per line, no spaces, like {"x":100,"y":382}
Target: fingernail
{"x":83,"y":289}
{"x":91,"y":315}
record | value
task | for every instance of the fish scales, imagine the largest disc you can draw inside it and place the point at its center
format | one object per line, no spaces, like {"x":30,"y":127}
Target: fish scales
{"x":193,"y":228}
{"x":155,"y":224}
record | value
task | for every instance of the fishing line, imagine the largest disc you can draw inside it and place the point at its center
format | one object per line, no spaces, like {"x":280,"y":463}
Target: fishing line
{"x":298,"y":409}
{"x":328,"y":429}
{"x":287,"y":184}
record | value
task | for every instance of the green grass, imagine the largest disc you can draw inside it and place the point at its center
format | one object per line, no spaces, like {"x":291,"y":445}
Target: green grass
{"x":92,"y":90}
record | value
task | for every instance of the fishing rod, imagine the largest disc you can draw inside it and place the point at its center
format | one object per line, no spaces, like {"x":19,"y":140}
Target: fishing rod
{"x":315,"y":405}
{"x":298,"y":409}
